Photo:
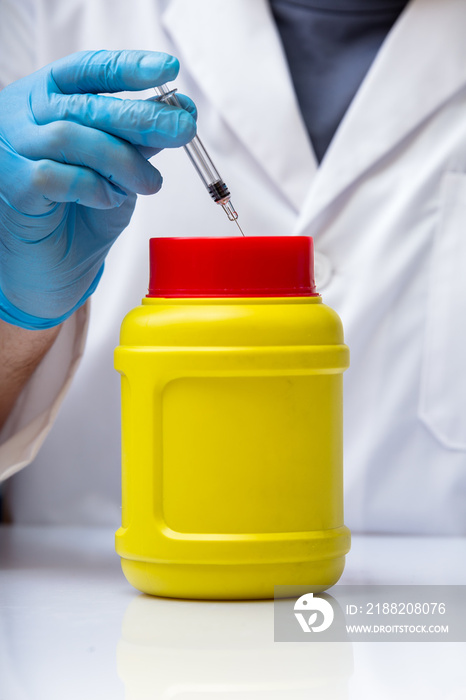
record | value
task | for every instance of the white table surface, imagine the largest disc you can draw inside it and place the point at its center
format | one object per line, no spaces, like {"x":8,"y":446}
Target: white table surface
{"x":72,"y":627}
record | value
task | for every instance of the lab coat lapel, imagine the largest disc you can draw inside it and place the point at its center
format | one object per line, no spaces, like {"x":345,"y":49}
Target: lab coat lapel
{"x":234,"y":53}
{"x":421,"y":64}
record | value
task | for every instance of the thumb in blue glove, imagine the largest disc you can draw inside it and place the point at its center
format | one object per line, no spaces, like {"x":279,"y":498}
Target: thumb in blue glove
{"x":71,"y":164}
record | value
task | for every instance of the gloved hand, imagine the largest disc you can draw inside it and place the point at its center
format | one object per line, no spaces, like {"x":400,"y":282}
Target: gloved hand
{"x":71,"y":163}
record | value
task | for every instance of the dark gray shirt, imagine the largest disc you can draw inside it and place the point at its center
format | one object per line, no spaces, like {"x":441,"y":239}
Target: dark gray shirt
{"x":330,"y":45}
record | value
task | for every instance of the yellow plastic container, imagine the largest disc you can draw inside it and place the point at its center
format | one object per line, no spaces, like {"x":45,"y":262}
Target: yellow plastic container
{"x":232,"y":424}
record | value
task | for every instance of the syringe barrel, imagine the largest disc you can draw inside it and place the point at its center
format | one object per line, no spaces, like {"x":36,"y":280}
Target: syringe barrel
{"x":197,"y":154}
{"x":201,"y":161}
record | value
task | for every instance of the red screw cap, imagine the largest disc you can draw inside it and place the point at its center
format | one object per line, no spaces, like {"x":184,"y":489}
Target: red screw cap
{"x":260,"y":266}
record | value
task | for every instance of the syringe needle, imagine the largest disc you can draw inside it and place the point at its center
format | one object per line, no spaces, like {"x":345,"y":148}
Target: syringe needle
{"x":236,"y":222}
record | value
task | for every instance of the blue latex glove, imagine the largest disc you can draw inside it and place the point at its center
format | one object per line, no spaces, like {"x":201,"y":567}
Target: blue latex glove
{"x":71,"y":163}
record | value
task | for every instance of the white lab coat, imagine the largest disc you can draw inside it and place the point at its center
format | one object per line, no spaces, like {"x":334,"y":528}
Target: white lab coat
{"x":387,"y":209}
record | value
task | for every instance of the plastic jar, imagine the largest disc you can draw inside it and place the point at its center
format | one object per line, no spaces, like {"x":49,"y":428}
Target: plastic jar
{"x":231,"y":376}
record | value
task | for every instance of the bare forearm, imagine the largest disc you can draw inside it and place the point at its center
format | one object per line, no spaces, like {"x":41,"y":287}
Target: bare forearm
{"x":20,"y":353}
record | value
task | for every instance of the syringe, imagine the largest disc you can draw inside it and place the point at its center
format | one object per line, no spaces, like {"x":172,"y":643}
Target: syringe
{"x":202,"y":162}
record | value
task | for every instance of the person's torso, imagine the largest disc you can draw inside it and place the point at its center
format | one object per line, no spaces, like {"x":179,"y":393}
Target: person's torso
{"x":385,"y":207}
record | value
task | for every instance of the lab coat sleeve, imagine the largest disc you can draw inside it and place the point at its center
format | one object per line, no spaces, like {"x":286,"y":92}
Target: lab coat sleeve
{"x":18,"y":42}
{"x":36,"y":408}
